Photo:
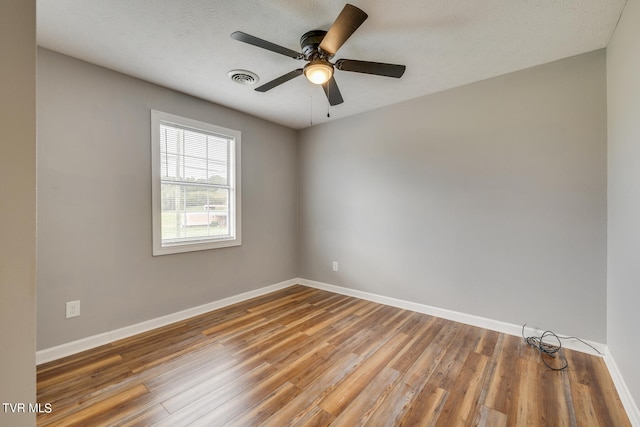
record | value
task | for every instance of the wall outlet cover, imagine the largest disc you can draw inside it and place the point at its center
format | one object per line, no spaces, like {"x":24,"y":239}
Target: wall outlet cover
{"x":73,"y":309}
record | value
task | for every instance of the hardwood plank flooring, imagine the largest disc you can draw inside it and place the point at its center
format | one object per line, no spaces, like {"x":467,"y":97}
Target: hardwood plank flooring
{"x":303,"y":356}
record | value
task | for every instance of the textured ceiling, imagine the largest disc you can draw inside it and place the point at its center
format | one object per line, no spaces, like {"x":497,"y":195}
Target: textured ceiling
{"x":185,"y":45}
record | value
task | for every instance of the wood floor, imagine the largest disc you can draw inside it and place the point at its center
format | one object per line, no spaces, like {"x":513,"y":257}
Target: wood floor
{"x":303,"y":356}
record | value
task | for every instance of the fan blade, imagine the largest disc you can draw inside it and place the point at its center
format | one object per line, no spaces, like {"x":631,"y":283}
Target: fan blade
{"x":377,"y":68}
{"x":282,"y":79}
{"x":255,"y":41}
{"x":345,"y":24}
{"x":333,"y":93}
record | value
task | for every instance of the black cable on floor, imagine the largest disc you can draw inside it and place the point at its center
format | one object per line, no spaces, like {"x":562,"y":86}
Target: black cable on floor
{"x":551,"y":349}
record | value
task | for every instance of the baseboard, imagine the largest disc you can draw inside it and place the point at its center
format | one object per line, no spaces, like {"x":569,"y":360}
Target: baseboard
{"x":67,"y":349}
{"x":633,"y":412}
{"x":469,"y":319}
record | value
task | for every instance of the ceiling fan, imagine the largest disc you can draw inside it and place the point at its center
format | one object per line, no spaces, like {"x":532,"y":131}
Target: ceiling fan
{"x":318,"y":48}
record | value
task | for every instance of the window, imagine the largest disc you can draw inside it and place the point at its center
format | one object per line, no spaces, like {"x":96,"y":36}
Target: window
{"x":195,"y":185}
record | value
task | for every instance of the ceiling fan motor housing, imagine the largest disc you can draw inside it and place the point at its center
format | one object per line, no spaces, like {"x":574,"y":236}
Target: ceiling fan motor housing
{"x":310,"y":42}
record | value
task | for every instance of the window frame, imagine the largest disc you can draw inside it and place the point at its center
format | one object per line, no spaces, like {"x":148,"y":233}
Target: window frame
{"x":234,"y":216}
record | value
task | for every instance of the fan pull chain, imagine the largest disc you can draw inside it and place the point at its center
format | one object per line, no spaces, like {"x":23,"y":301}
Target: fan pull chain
{"x":310,"y":106}
{"x":328,"y":98}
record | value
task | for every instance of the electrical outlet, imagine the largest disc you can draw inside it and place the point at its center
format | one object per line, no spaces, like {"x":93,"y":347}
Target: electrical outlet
{"x":335,"y":265}
{"x":73,"y":309}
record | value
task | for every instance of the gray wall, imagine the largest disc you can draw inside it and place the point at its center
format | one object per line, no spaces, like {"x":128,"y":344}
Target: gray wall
{"x":17,"y":208}
{"x":94,"y":204}
{"x":623,"y":287}
{"x":489,"y":199}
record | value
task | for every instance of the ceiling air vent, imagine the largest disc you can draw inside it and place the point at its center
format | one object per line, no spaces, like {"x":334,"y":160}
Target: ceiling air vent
{"x":243,"y":77}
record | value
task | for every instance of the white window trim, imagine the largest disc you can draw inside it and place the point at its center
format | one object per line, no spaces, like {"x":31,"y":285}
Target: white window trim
{"x":234,"y":198}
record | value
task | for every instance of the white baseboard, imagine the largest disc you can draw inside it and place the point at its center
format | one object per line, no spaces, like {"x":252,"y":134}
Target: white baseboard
{"x":633,"y":412}
{"x":469,"y":319}
{"x":67,"y":349}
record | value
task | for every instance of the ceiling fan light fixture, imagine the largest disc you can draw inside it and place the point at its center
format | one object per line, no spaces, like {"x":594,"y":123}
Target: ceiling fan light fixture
{"x":318,"y":71}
